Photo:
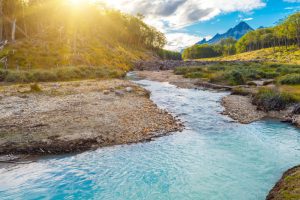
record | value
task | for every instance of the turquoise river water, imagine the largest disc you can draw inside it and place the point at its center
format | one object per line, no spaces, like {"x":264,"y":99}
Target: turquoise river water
{"x":213,"y":158}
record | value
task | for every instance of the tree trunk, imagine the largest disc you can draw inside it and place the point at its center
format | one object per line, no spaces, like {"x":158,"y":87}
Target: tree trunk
{"x":1,"y":21}
{"x":13,"y":30}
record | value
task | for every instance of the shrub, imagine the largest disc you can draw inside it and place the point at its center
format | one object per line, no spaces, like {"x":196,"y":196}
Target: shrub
{"x":269,"y":99}
{"x":290,"y":79}
{"x":185,"y":70}
{"x":236,"y":78}
{"x":35,"y":88}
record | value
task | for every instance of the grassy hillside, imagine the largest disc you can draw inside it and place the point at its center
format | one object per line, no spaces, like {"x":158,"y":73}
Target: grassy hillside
{"x":279,"y":55}
{"x":37,"y":60}
{"x":57,"y":41}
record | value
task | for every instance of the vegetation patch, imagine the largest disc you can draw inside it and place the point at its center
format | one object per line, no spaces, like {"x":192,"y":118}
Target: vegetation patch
{"x":59,"y":74}
{"x":271,"y":99}
{"x":35,"y":88}
{"x":290,"y":79}
{"x":242,"y":73}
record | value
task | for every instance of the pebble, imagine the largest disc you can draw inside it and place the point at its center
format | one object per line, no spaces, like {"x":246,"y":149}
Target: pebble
{"x":129,"y":89}
{"x":106,"y":92}
{"x":119,"y":93}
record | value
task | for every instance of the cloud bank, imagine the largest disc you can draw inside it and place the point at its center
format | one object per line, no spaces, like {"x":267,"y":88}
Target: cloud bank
{"x":172,"y":15}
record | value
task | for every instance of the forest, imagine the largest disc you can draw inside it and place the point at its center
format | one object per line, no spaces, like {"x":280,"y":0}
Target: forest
{"x":285,"y":34}
{"x":50,"y":40}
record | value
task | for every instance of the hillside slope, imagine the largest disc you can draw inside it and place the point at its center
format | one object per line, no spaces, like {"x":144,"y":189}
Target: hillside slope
{"x":290,"y":55}
{"x":37,"y":60}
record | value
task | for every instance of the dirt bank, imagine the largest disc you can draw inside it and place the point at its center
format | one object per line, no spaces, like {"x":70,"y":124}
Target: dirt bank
{"x":241,"y":109}
{"x":76,"y":116}
{"x":288,"y":187}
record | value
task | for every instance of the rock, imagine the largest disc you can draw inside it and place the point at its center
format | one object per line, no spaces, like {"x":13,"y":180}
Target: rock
{"x":119,"y":93}
{"x":129,"y":89}
{"x":296,"y":110}
{"x":106,"y":92}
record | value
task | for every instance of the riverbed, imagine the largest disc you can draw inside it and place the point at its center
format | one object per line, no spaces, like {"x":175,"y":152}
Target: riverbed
{"x":213,"y":158}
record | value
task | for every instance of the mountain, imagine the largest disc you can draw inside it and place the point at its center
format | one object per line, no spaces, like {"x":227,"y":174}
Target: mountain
{"x":236,"y":32}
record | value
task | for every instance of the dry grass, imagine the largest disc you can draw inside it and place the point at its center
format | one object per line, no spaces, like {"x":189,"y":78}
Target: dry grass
{"x":278,"y":55}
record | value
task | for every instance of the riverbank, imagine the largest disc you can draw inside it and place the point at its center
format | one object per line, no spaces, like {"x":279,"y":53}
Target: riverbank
{"x":238,"y":107}
{"x":287,"y":188}
{"x":67,"y":117}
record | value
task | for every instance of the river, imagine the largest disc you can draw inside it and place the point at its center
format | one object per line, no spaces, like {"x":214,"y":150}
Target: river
{"x":213,"y":158}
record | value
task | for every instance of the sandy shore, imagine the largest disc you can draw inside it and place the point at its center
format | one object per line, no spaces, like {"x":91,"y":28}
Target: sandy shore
{"x":77,"y":116}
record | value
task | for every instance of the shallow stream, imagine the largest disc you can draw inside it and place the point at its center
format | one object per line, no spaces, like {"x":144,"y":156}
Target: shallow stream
{"x":213,"y":158}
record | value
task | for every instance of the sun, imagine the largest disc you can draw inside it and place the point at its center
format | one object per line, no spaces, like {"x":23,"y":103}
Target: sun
{"x":76,"y":2}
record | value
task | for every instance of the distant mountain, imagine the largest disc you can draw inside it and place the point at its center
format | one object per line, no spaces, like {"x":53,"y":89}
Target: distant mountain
{"x":237,"y":32}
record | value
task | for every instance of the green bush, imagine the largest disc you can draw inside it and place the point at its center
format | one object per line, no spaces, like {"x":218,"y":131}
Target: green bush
{"x":236,"y":78}
{"x":290,"y":79}
{"x":270,"y":99}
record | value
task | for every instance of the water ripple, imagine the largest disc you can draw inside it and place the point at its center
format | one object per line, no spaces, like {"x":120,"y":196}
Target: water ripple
{"x":212,"y":159}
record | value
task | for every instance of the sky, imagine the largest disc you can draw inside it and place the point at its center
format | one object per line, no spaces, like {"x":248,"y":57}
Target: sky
{"x":186,"y":22}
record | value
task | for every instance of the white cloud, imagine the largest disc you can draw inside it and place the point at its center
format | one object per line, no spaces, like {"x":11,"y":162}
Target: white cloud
{"x":172,"y":15}
{"x":247,"y":19}
{"x":180,"y":13}
{"x":179,"y":41}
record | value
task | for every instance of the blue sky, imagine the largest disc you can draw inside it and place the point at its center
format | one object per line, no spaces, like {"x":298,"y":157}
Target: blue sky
{"x":185,"y":22}
{"x":266,"y":16}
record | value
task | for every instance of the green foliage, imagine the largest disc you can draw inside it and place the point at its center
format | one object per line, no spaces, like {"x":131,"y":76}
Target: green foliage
{"x":270,"y":99}
{"x":200,"y":51}
{"x":169,"y":55}
{"x":59,"y":74}
{"x":236,"y":77}
{"x":290,"y":79}
{"x":285,"y":34}
{"x":224,"y":47}
{"x":53,"y":35}
{"x":241,"y":73}
{"x":186,"y":70}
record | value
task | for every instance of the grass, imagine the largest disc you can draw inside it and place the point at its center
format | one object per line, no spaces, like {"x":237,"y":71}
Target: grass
{"x":59,"y":74}
{"x":290,"y":79}
{"x":290,"y":187}
{"x":35,"y":88}
{"x":242,"y":73}
{"x":291,"y":55}
{"x":287,"y":81}
{"x":272,"y":99}
{"x":39,"y":60}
